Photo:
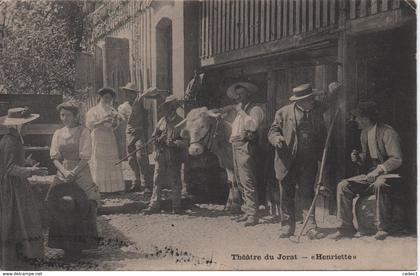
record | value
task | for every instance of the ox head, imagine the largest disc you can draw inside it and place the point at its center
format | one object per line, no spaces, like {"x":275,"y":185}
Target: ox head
{"x":196,"y":127}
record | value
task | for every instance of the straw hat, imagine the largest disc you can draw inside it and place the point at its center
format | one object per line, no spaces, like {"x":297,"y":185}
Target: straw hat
{"x":233,"y":94}
{"x":302,"y":91}
{"x":130,"y":86}
{"x":171,"y":102}
{"x":68,"y":203}
{"x":18,"y":116}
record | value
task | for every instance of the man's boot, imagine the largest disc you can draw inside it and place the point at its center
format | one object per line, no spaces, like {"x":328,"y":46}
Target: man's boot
{"x":287,"y":231}
{"x":151,"y":210}
{"x":251,"y":221}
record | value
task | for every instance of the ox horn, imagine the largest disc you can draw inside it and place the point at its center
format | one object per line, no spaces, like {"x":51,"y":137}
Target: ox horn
{"x":213,"y":113}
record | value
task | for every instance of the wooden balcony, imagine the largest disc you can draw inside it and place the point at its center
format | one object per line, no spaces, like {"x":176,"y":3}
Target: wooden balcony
{"x":237,"y":29}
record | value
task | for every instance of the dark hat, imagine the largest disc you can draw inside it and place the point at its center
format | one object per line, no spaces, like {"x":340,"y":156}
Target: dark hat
{"x":18,"y":116}
{"x":302,"y":91}
{"x":367,"y":109}
{"x":171,"y":102}
{"x":107,"y":90}
{"x":233,"y":94}
{"x":68,"y":203}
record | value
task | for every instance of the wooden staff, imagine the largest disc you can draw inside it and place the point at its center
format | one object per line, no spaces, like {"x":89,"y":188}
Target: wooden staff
{"x":319,"y":183}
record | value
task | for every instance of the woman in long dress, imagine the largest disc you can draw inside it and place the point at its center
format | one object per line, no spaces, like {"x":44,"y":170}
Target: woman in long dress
{"x":102,"y":120}
{"x":20,"y":222}
{"x":70,"y":152}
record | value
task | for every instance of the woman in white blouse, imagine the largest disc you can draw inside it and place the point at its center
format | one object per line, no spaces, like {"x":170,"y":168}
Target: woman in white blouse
{"x":71,"y":152}
{"x":102,"y":120}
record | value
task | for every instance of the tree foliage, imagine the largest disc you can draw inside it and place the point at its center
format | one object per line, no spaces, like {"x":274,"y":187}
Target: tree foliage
{"x":39,"y":45}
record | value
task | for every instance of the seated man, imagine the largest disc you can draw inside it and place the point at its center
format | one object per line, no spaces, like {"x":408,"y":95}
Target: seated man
{"x":380,"y":156}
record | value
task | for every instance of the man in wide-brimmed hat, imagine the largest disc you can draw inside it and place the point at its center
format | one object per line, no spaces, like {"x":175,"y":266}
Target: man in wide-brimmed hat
{"x":381,"y":158}
{"x":136,"y":136}
{"x":169,"y":155}
{"x":244,"y":139}
{"x":298,"y":133}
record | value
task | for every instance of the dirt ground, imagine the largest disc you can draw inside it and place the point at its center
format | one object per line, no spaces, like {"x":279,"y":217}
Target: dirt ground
{"x":205,"y":237}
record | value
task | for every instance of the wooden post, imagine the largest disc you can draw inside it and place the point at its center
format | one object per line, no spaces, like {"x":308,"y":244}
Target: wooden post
{"x":285,"y":17}
{"x":311,"y":15}
{"x":297,"y":21}
{"x":304,"y":18}
{"x":291,"y":17}
{"x":342,"y":99}
{"x":279,"y":18}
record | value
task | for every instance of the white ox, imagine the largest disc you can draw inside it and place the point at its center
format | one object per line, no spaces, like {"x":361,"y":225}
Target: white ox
{"x":206,"y":131}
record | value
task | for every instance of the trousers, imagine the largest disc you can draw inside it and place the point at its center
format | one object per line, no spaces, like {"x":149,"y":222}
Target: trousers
{"x":172,"y":173}
{"x":348,"y":189}
{"x":245,"y":174}
{"x":139,"y":163}
{"x":297,"y":192}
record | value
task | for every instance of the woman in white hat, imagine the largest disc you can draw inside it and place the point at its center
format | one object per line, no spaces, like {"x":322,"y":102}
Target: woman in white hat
{"x":102,"y":120}
{"x":20,"y":222}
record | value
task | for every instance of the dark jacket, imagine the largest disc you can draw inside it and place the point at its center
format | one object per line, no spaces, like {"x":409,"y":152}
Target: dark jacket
{"x":285,"y":125}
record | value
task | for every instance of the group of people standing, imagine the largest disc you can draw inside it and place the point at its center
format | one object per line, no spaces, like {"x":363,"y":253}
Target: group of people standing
{"x":298,"y":134}
{"x":86,"y":156}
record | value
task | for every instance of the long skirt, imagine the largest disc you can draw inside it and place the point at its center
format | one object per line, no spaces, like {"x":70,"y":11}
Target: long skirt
{"x":20,"y":222}
{"x":105,"y":173}
{"x":79,"y":236}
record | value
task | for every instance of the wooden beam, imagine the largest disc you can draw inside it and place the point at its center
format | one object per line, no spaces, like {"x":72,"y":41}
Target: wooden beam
{"x":219,"y":26}
{"x":298,"y":16}
{"x":325,"y":12}
{"x":379,"y":22}
{"x":363,"y":8}
{"x":311,"y":15}
{"x":285,"y":11}
{"x":262,"y":20}
{"x":396,"y":4}
{"x":352,"y":9}
{"x":273,"y":20}
{"x":257,"y":22}
{"x":304,"y":17}
{"x":291,"y":17}
{"x":267,"y":19}
{"x":36,"y":129}
{"x":211,"y":27}
{"x":242,"y":25}
{"x":232,"y":25}
{"x":224,"y":18}
{"x":246,"y":23}
{"x":237,"y":23}
{"x":332,"y":12}
{"x":373,"y":7}
{"x":285,"y":45}
{"x":251,"y":22}
{"x":279,"y":18}
{"x":317,"y":13}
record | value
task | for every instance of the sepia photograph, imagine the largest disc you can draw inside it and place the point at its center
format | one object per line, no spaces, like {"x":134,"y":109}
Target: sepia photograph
{"x":208,"y":135}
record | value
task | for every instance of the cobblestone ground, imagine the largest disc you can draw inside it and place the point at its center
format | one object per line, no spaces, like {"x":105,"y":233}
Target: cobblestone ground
{"x":205,"y":238}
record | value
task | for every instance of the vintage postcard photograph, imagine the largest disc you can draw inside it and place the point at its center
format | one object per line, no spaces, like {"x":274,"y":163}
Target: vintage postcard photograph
{"x":143,"y":135}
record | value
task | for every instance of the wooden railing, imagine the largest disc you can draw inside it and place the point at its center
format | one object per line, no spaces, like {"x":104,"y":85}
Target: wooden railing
{"x":363,"y":8}
{"x":227,"y":25}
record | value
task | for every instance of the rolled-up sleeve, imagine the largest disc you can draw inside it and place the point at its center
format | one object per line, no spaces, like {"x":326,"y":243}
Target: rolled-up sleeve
{"x":54,"y":152}
{"x":254,"y":120}
{"x":85,"y":145}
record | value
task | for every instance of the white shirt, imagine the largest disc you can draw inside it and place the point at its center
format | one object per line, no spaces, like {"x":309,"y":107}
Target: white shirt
{"x":125,"y":110}
{"x":244,"y":122}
